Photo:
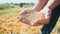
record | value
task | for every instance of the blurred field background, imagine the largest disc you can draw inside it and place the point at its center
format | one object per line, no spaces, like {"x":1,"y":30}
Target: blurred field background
{"x":9,"y":24}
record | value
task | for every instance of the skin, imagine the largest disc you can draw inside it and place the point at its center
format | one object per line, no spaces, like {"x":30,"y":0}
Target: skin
{"x":44,"y":6}
{"x":52,"y":4}
{"x":40,"y":5}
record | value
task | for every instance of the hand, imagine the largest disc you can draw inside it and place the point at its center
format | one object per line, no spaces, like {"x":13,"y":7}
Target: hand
{"x":47,"y":13}
{"x":23,"y":13}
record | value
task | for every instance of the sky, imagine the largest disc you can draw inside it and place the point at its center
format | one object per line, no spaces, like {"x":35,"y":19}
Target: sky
{"x":17,"y":1}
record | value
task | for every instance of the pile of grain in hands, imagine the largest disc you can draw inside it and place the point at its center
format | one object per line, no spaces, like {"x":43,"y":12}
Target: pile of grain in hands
{"x":33,"y":17}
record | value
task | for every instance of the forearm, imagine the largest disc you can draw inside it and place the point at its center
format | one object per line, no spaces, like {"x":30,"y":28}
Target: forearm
{"x":40,"y":4}
{"x":52,"y":4}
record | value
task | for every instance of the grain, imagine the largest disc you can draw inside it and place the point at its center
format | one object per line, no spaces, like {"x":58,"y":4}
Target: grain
{"x":33,"y":17}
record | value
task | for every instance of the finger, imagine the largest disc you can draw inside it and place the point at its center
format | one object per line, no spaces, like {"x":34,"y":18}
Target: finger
{"x":22,"y":13}
{"x":19,"y":17}
{"x":49,"y":13}
{"x":39,"y":22}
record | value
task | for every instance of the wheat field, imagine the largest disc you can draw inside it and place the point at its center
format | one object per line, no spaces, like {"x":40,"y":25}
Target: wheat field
{"x":9,"y":24}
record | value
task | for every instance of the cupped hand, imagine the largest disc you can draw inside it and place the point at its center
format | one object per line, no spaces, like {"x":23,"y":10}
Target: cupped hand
{"x":23,"y":13}
{"x":47,"y":15}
